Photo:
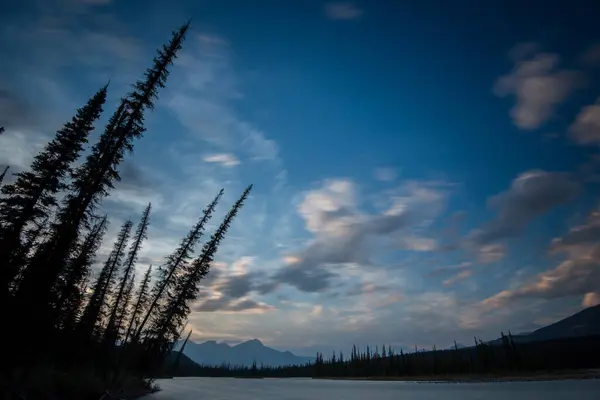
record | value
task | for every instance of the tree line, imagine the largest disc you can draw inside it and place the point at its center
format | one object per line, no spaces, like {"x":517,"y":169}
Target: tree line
{"x":62,"y":320}
{"x":504,"y":357}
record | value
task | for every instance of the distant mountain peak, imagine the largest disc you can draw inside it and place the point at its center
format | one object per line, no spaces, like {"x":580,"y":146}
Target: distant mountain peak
{"x":245,"y":353}
{"x":251,"y":343}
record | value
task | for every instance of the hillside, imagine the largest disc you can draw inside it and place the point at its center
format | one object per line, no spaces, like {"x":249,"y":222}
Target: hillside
{"x":584,"y":323}
{"x":213,"y":353}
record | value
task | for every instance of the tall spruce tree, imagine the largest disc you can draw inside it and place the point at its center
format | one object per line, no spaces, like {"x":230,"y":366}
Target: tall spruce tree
{"x":179,"y":353}
{"x":113,"y":327}
{"x":93,"y":314}
{"x":175,"y":263}
{"x":70,"y":298}
{"x":124,"y":307}
{"x":32,"y":196}
{"x":141,"y":304}
{"x":95,"y":177}
{"x":2,"y":175}
{"x":33,"y":237}
{"x":166,"y":323}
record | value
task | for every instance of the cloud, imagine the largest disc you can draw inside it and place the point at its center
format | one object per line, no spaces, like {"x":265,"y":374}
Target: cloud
{"x":228,"y":289}
{"x":451,"y":268}
{"x":344,"y":236}
{"x":16,"y":112}
{"x":223,"y":304}
{"x":490,"y":253}
{"x":202,"y":100}
{"x":65,"y":40}
{"x":591,"y":299}
{"x":417,"y":243}
{"x":385,"y":174}
{"x":585,"y":129}
{"x":225,"y":159}
{"x":577,"y":275}
{"x":462,"y":275}
{"x":343,"y":10}
{"x":531,"y":194}
{"x":19,"y":148}
{"x":538,"y":85}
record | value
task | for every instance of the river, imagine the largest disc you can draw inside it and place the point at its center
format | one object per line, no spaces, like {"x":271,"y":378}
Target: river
{"x":309,"y":389}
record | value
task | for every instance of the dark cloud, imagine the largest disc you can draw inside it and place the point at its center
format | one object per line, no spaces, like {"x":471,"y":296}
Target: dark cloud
{"x":305,"y":277}
{"x":237,"y":286}
{"x":213,"y":275}
{"x":586,"y":235}
{"x":132,"y":177}
{"x":15,"y":111}
{"x":234,"y":290}
{"x":577,"y":275}
{"x":531,"y":194}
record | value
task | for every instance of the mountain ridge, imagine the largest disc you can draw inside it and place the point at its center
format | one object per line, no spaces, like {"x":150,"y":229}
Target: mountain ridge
{"x":215,"y":353}
{"x":583,"y":323}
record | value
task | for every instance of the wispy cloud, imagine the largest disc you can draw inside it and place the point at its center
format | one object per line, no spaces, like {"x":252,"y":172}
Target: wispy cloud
{"x":225,"y":159}
{"x":343,"y":10}
{"x":202,"y":97}
{"x":385,"y":174}
{"x":460,"y":276}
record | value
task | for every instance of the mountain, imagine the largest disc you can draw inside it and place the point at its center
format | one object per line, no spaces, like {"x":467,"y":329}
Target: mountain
{"x":213,"y":353}
{"x":584,"y":323}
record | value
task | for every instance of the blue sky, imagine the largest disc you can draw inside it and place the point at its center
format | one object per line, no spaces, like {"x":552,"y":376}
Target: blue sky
{"x":423,"y":171}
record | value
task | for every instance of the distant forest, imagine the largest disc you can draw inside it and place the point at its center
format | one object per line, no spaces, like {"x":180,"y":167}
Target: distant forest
{"x":503,"y":358}
{"x":70,"y":333}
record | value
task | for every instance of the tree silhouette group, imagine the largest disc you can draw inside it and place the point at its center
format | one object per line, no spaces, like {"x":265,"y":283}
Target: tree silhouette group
{"x":500,"y":358}
{"x":60,"y":317}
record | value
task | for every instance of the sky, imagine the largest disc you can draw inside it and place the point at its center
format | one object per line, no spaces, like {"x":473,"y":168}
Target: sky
{"x":424,"y":171}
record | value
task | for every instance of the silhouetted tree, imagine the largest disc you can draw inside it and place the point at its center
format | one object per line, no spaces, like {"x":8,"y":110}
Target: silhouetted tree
{"x":71,"y":296}
{"x":141,"y":304}
{"x":3,"y":174}
{"x":113,"y":327}
{"x":94,"y":178}
{"x":176,"y":262}
{"x":168,"y":321}
{"x":93,"y":313}
{"x":48,"y":248}
{"x":32,"y":195}
{"x":180,"y":352}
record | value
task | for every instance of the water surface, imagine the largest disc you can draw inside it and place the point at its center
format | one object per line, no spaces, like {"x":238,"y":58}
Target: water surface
{"x":309,"y":389}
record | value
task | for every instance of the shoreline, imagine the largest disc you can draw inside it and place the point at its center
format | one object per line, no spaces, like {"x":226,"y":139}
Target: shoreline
{"x":488,"y":378}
